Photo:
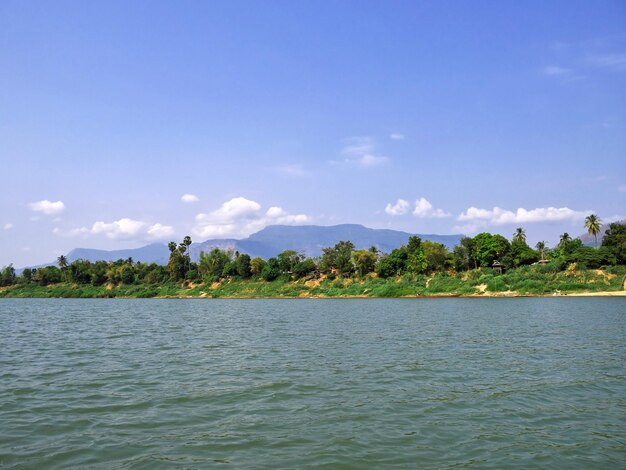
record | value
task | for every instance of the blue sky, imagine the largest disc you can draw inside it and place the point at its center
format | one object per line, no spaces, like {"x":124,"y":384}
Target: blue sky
{"x":429,"y":117}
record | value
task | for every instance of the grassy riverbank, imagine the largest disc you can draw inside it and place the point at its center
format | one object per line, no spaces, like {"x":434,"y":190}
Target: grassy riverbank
{"x":531,"y":280}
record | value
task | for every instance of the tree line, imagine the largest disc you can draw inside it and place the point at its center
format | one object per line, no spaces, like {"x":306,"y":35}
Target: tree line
{"x":417,"y":257}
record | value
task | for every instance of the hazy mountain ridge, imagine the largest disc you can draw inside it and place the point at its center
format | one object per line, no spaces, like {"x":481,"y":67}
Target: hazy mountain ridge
{"x":153,"y":253}
{"x":311,"y":239}
{"x":270,"y":241}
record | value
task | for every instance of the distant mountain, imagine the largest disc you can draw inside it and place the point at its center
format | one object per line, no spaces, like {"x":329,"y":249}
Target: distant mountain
{"x":310,"y":239}
{"x":269,"y":242}
{"x":589,"y":240}
{"x":154,"y":253}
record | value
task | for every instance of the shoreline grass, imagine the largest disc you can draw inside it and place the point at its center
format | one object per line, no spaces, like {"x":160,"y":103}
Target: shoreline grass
{"x":526,"y":281}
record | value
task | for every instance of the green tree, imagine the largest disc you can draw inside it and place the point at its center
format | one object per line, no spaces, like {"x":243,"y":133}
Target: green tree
{"x":287,"y":260}
{"x":519,"y":235}
{"x":541,"y":248}
{"x":338,"y":257}
{"x":242,"y":266}
{"x":127,"y":274}
{"x":80,"y":271}
{"x":364,"y":261}
{"x":437,"y":256}
{"x":415,"y":258}
{"x":7,"y":276}
{"x":392,"y":264}
{"x":593,"y":224}
{"x":47,"y":275}
{"x":564,"y":240}
{"x":98,"y":273}
{"x":187,"y":242}
{"x":587,"y":257}
{"x":27,"y":274}
{"x":179,"y":261}
{"x":63,"y":264}
{"x":465,"y":255}
{"x":520,"y":254}
{"x":305,"y":267}
{"x":271,"y":270}
{"x":213,"y":263}
{"x":256,"y":265}
{"x":614,"y":240}
{"x":490,"y":248}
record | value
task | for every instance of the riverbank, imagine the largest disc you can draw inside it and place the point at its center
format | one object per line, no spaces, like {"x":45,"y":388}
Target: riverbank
{"x":473,"y":284}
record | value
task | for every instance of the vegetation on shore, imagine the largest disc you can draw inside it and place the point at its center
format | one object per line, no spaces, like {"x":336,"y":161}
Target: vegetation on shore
{"x":419,"y":268}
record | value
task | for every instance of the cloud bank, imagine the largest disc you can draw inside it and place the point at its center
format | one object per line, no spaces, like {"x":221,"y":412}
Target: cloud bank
{"x":123,"y":229}
{"x":498,"y":216}
{"x":239,"y":217}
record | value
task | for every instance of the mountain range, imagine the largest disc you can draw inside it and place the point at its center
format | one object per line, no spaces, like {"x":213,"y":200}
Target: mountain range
{"x":272,"y":240}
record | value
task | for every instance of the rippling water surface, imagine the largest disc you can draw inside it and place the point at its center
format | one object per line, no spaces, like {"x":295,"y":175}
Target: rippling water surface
{"x":442,"y":383}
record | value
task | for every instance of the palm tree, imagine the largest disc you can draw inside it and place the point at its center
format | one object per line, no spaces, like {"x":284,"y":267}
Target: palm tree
{"x":541,"y":246}
{"x":565,"y":239}
{"x":519,"y":235}
{"x":187,"y":243}
{"x":593,"y":223}
{"x":62,"y":262}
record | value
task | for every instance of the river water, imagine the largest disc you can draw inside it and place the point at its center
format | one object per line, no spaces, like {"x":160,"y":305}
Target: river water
{"x":405,"y":383}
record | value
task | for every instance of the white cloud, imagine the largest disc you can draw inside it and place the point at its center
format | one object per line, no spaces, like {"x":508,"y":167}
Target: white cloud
{"x":278,"y":216}
{"x":160,"y":231}
{"x":292,"y":170}
{"x":612,"y":61}
{"x":399,"y":208}
{"x":240,"y":217}
{"x":47,"y":207}
{"x":396,"y":136}
{"x":368,"y":160}
{"x":358,"y":146}
{"x":122,"y":228}
{"x":275,"y":212}
{"x":622,"y":188}
{"x":238,"y":207}
{"x":8,"y":226}
{"x":424,"y":209}
{"x":498,"y":216}
{"x":360,"y":150}
{"x":188,"y":198}
{"x":554,"y":70}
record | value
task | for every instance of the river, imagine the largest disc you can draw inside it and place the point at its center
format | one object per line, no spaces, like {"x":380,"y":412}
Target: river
{"x":364,"y":383}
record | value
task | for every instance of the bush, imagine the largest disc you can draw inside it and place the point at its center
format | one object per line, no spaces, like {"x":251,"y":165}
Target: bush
{"x":497,"y":284}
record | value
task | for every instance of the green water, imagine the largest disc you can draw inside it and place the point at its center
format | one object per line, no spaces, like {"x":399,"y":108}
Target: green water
{"x":441,"y":383}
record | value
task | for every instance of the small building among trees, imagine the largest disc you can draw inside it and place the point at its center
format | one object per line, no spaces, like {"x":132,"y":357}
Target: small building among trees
{"x":497,"y":267}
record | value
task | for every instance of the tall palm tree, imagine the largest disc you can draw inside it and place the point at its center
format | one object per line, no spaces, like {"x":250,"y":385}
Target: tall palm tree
{"x":593,"y":223}
{"x":565,"y":239}
{"x":541,"y":246}
{"x":519,"y":235}
{"x":187,"y":243}
{"x":62,"y":262}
